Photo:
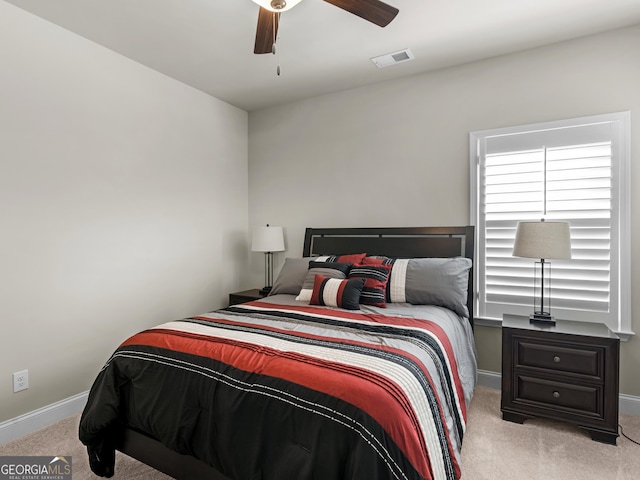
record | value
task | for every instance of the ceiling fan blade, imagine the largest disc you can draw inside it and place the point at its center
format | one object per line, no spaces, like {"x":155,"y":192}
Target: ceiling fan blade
{"x":266,"y":31}
{"x":373,"y":11}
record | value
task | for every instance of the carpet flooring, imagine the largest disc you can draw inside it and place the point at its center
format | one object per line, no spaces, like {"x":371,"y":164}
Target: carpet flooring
{"x":492,"y":450}
{"x":542,"y":449}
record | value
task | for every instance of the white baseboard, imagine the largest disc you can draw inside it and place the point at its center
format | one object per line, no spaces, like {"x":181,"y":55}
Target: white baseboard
{"x":42,"y":417}
{"x":629,"y":404}
{"x":490,"y":379}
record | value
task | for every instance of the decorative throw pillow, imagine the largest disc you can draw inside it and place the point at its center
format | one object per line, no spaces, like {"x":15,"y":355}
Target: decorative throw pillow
{"x":375,"y":285}
{"x":352,"y":258}
{"x":382,"y":261}
{"x":428,"y":281}
{"x":291,"y":276}
{"x":337,"y":293}
{"x":327,"y":269}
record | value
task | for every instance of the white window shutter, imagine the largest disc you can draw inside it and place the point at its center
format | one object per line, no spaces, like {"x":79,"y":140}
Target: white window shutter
{"x":581,"y":164}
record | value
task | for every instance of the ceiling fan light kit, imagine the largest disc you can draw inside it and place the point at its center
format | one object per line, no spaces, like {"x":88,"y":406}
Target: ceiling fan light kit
{"x":277,"y":5}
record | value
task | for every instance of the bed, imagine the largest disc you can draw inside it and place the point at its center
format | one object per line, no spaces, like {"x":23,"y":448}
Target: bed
{"x":306,"y":388}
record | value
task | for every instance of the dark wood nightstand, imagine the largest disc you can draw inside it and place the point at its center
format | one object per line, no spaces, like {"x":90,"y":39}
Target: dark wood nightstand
{"x":245,"y":296}
{"x":567,"y":372}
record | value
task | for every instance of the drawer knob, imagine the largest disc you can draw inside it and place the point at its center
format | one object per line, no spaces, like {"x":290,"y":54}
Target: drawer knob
{"x":556,"y":394}
{"x":556,"y":359}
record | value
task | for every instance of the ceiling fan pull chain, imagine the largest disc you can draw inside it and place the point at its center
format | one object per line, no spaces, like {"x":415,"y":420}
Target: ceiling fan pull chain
{"x":274,"y":50}
{"x":278,"y":69}
{"x":273,"y":45}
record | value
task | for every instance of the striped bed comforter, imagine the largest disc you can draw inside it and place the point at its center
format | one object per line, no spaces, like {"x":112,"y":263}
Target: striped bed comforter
{"x":279,"y":390}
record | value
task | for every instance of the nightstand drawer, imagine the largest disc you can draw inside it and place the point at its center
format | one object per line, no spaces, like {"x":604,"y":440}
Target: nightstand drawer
{"x":553,"y":356}
{"x":583,"y":399}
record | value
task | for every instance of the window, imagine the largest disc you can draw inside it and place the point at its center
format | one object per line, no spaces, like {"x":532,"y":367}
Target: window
{"x":578,"y":171}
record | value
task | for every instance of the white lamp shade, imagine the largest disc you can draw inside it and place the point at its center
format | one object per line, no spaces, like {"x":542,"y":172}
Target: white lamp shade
{"x":288,"y":4}
{"x":267,"y":239}
{"x":543,"y":240}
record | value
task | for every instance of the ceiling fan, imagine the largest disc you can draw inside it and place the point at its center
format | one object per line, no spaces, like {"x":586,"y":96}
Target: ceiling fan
{"x":373,"y":11}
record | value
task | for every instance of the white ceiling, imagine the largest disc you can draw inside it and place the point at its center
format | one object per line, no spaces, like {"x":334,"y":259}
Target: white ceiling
{"x":209,"y":43}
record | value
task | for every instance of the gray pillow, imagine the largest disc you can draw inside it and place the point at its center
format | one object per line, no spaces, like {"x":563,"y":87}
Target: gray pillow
{"x":432,"y":281}
{"x":439,"y":281}
{"x":291,"y":276}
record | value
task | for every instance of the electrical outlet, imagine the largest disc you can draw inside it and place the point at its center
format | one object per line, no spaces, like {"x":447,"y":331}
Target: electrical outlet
{"x":20,"y":381}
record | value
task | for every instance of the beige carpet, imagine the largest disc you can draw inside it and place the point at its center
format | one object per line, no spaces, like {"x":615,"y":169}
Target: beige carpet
{"x":542,"y":449}
{"x":61,"y":439}
{"x":492,"y":449}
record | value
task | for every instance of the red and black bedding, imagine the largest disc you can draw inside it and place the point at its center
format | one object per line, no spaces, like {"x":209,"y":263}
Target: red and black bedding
{"x":279,"y":389}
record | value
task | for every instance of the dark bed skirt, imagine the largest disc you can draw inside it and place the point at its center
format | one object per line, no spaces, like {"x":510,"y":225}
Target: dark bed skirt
{"x":150,"y":451}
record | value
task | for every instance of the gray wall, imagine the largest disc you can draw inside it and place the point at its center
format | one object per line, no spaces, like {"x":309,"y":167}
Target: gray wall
{"x":123,"y":200}
{"x":397,"y":153}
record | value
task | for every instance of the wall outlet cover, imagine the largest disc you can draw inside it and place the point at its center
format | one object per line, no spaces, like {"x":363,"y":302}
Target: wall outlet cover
{"x":20,"y":381}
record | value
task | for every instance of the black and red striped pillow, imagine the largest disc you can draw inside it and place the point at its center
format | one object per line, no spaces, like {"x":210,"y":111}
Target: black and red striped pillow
{"x":326,"y":269}
{"x":333,"y":292}
{"x":376,"y":278}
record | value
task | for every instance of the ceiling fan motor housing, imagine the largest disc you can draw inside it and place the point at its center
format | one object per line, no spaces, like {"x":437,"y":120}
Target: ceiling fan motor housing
{"x":278,"y":4}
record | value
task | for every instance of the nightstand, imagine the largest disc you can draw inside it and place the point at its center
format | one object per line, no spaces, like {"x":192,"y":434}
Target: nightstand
{"x":245,"y":296}
{"x":566,"y":372}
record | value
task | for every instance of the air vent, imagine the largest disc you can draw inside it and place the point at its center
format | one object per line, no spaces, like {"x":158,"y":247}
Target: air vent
{"x":393,"y":58}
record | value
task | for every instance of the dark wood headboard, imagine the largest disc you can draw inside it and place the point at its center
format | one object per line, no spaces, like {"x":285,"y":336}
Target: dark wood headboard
{"x":395,"y":242}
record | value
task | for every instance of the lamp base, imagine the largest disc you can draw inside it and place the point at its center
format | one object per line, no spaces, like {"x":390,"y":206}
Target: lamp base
{"x":265,"y":291}
{"x":542,"y":319}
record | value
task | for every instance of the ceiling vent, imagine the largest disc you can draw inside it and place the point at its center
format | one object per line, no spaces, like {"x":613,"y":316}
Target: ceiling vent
{"x":393,"y":58}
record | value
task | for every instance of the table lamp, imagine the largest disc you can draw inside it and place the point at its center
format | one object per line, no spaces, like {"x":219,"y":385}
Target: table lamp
{"x":268,"y":240}
{"x":543,"y":240}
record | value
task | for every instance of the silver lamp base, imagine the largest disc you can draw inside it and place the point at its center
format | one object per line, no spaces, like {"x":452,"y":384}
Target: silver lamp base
{"x":542,"y":318}
{"x":265,"y":290}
